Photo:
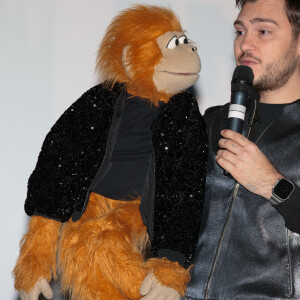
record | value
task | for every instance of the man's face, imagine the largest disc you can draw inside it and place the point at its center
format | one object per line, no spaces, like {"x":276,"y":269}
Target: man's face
{"x":264,"y":42}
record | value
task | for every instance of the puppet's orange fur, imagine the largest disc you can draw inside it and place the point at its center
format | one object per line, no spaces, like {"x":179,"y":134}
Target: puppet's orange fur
{"x":102,"y":251}
{"x":37,"y":254}
{"x":170,"y":274}
{"x":138,"y":28}
{"x":101,"y":255}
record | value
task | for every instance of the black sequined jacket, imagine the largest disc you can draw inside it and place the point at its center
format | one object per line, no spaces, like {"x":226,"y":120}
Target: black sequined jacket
{"x":76,"y":155}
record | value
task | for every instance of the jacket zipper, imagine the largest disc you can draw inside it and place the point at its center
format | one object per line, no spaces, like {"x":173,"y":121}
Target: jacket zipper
{"x":288,"y":237}
{"x":118,"y":110}
{"x":234,"y":195}
{"x":235,"y":191}
{"x":236,"y":188}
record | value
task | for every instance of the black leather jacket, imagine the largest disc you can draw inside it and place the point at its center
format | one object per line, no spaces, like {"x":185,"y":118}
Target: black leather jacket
{"x":245,"y":250}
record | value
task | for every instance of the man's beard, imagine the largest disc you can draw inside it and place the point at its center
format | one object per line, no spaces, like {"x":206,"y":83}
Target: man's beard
{"x":276,"y":74}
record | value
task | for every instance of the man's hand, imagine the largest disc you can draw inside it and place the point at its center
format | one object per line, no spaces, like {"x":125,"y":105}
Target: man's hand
{"x":153,"y":290}
{"x":41,"y":286}
{"x":246,"y":163}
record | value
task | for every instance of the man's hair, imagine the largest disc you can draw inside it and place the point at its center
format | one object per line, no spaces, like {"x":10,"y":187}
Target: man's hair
{"x":292,"y":8}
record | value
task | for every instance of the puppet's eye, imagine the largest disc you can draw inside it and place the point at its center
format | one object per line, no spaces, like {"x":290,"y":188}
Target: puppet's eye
{"x":173,"y":43}
{"x":183,"y":39}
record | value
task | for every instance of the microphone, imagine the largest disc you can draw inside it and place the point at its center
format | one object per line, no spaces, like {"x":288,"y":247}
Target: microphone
{"x":241,"y":85}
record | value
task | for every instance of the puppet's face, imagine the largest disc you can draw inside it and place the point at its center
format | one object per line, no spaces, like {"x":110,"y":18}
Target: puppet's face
{"x":180,"y":63}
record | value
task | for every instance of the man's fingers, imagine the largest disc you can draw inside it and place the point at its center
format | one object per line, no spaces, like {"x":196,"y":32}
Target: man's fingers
{"x":230,"y":146}
{"x":227,"y":155}
{"x":235,"y":136}
{"x":45,"y":288}
{"x":225,"y":164}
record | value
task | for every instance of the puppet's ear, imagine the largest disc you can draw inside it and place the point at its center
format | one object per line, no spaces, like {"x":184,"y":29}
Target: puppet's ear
{"x":125,"y":61}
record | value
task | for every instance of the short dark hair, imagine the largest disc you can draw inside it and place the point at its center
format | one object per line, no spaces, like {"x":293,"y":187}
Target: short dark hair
{"x":292,"y":8}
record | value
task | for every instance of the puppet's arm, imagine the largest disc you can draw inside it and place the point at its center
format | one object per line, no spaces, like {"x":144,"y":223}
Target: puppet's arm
{"x":37,"y":259}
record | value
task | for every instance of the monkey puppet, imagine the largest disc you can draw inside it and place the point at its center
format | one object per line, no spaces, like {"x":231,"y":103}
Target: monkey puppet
{"x":123,"y":165}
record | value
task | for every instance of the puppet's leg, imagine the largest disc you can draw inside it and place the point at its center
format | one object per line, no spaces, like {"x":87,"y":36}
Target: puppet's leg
{"x":37,"y":257}
{"x":100,"y":256}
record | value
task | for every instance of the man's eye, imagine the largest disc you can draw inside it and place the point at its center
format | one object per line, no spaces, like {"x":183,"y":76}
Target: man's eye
{"x":239,"y":32}
{"x":264,"y":32}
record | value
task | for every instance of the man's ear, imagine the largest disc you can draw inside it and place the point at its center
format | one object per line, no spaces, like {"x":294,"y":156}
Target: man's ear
{"x":125,"y":61}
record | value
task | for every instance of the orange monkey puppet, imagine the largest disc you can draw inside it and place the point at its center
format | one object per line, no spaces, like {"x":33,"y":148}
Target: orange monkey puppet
{"x":122,"y":170}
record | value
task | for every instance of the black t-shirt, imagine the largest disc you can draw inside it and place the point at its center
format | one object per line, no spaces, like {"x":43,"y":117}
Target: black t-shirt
{"x":130,"y":158}
{"x":267,"y":114}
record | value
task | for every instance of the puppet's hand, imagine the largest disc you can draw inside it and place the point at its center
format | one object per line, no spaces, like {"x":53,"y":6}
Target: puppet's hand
{"x":153,"y":290}
{"x":41,"y":286}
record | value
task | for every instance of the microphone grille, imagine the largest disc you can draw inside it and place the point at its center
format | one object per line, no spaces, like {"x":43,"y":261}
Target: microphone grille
{"x":243,"y":73}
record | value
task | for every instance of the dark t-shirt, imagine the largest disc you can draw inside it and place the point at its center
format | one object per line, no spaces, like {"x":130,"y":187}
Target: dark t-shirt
{"x":130,"y":158}
{"x":267,"y":114}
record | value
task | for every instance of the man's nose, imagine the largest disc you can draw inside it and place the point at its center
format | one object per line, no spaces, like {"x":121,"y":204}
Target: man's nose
{"x":248,"y":43}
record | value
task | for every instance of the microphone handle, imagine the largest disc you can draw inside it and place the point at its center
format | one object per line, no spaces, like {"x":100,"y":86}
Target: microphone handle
{"x":237,"y":111}
{"x":235,"y":124}
{"x":236,"y":115}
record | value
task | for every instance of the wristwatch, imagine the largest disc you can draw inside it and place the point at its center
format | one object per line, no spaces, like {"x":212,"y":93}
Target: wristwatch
{"x":281,"y":191}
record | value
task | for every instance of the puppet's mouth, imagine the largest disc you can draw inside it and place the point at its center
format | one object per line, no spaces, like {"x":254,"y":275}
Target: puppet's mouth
{"x":181,"y":74}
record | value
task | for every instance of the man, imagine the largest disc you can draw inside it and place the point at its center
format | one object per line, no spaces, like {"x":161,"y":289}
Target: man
{"x":249,"y":243}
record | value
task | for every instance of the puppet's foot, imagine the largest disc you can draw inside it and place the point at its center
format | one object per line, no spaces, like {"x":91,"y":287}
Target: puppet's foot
{"x":41,"y":287}
{"x":169,"y":274}
{"x":152,"y":290}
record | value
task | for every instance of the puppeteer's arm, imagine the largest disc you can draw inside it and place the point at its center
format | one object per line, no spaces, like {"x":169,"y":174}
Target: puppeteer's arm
{"x":252,"y":169}
{"x":290,"y":210}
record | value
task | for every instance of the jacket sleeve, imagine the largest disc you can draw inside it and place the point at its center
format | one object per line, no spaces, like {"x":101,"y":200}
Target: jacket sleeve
{"x":63,"y":172}
{"x":48,"y":184}
{"x":180,"y":144}
{"x":290,"y":211}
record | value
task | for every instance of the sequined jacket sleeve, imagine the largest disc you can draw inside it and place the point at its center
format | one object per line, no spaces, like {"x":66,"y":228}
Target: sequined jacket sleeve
{"x":71,"y":153}
{"x":180,"y":149}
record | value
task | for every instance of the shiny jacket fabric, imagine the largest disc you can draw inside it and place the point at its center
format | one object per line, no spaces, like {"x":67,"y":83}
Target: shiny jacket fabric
{"x":244,"y":250}
{"x":76,"y":155}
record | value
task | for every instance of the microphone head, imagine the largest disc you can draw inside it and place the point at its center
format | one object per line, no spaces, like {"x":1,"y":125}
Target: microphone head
{"x":243,"y":73}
